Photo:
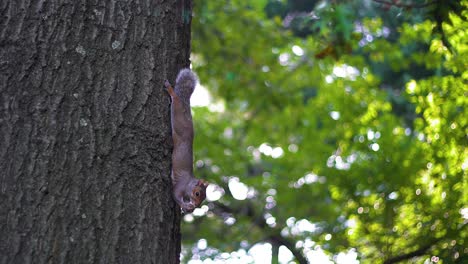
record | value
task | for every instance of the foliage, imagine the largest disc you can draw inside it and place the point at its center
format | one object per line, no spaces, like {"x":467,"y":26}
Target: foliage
{"x":355,"y":128}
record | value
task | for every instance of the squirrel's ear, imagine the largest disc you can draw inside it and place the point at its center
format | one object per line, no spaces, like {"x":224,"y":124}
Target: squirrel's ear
{"x":202,"y":183}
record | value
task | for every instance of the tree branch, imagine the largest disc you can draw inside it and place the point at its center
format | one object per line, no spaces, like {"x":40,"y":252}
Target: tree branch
{"x":416,"y":253}
{"x":248,"y":211}
{"x":421,"y":251}
{"x":398,"y":4}
{"x":281,"y":241}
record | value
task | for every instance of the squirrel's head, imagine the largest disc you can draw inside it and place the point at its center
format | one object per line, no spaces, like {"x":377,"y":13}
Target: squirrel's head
{"x":198,"y":193}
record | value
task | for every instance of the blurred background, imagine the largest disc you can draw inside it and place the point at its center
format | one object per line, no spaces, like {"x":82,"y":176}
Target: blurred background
{"x":330,"y":131}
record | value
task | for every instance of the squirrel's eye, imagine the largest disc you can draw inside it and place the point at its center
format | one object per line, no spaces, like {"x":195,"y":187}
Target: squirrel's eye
{"x":197,"y":194}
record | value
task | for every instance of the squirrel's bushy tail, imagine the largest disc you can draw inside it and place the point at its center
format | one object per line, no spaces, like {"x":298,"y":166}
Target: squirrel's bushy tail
{"x":185,"y":84}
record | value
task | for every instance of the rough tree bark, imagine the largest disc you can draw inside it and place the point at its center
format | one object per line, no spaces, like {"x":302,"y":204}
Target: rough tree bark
{"x":85,"y":140}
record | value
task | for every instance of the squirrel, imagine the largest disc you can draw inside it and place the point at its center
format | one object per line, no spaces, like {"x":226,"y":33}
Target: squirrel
{"x":188,"y":191}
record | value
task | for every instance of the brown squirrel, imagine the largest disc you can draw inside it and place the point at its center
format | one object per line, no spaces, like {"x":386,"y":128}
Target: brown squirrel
{"x":188,"y":191}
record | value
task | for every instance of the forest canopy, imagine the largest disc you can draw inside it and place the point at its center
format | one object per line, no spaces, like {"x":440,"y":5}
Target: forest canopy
{"x":334,"y":128}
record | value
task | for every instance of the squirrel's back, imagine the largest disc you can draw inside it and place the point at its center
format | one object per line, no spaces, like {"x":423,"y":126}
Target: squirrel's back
{"x":185,"y":84}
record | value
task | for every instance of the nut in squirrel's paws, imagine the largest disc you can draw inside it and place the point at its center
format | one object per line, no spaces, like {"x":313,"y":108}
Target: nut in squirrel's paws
{"x":167,"y":83}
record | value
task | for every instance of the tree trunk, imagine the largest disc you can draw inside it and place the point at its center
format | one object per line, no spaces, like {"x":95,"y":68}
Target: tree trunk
{"x":85,"y":139}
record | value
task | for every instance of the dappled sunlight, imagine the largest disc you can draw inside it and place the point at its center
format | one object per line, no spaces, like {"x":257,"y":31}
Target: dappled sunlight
{"x":341,"y":163}
{"x":200,"y":211}
{"x":318,"y":255}
{"x":464,"y":213}
{"x":270,"y":220}
{"x":297,"y":227}
{"x":297,"y":50}
{"x":284,"y":59}
{"x":239,"y":256}
{"x":342,"y":133}
{"x":261,"y":253}
{"x":335,"y":115}
{"x":346,"y":71}
{"x":309,"y":178}
{"x":270,"y":200}
{"x":375,"y":146}
{"x":267,"y":150}
{"x":239,"y":190}
{"x":214,"y":192}
{"x":200,"y":96}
